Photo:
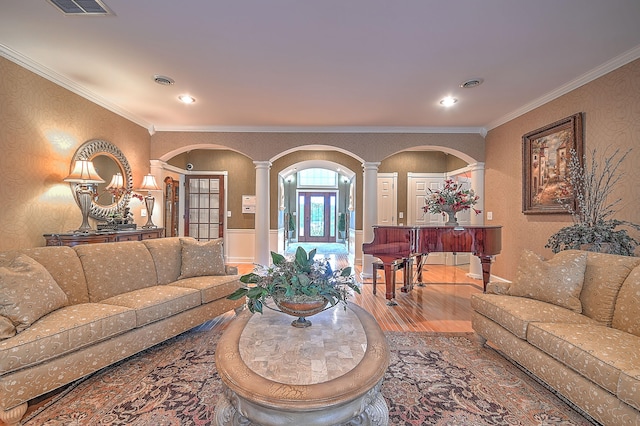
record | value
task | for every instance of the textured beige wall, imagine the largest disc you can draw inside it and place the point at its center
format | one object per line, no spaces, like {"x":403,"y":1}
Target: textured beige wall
{"x":612,"y":120}
{"x":362,"y":146}
{"x":41,"y":126}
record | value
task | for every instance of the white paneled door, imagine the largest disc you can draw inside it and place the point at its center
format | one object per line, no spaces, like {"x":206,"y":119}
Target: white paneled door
{"x":418,"y":185}
{"x":387,"y":199}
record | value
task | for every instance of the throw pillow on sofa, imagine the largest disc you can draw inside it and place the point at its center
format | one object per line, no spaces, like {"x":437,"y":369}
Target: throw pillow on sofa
{"x":557,"y":281}
{"x":27,"y":292}
{"x":201,"y":258}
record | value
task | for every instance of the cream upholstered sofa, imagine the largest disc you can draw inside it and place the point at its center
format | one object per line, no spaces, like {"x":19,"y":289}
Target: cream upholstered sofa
{"x":68,"y":312}
{"x":574,"y":322}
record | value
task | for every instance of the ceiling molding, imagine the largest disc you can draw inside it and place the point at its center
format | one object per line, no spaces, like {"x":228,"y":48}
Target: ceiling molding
{"x":323,"y":129}
{"x":64,"y":82}
{"x":607,"y":67}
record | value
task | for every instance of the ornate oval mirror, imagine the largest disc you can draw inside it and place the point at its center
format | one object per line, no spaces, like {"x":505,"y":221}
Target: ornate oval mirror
{"x":108,"y":160}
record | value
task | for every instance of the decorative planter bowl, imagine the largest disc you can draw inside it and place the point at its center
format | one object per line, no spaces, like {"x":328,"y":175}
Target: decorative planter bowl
{"x":301,"y":309}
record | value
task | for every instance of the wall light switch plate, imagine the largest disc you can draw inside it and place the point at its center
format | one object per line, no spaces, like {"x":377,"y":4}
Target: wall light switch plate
{"x":228,"y":213}
{"x":143,"y":212}
{"x":401,"y":215}
{"x":489,"y":215}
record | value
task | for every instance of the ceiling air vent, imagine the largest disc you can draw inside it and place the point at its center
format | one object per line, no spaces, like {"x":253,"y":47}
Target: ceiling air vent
{"x":82,"y":7}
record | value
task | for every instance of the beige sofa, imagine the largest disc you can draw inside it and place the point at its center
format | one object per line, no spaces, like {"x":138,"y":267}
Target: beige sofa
{"x":68,"y":312}
{"x":579,"y":334}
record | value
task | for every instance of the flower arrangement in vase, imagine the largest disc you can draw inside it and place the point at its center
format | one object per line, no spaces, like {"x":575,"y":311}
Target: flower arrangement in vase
{"x":293,"y":282}
{"x":451,"y":199}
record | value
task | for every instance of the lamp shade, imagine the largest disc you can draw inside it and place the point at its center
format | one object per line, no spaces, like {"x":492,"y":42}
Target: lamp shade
{"x":117,"y":182}
{"x":149,"y":183}
{"x":83,"y":172}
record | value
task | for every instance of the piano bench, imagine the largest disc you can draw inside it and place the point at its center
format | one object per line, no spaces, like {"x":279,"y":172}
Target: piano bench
{"x":401,"y":264}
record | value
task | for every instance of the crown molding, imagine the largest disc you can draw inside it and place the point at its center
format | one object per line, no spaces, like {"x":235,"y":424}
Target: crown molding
{"x":607,"y":67}
{"x":322,"y":129}
{"x":64,"y":82}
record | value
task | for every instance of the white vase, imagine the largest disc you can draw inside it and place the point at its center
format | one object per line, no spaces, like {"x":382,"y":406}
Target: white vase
{"x":451,"y":216}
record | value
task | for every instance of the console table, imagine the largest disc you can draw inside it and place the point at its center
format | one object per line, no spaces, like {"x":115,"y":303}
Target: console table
{"x":73,"y":239}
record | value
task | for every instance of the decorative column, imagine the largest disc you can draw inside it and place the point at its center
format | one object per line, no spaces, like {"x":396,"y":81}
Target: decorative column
{"x":262,"y":247}
{"x":369,"y":212}
{"x":477,"y":184}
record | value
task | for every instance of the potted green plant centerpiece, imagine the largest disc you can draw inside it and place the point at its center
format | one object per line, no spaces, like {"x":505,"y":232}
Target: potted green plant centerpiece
{"x":300,"y":286}
{"x":594,"y":229}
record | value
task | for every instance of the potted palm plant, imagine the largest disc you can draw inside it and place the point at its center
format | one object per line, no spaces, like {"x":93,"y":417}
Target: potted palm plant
{"x":594,"y":227}
{"x":300,"y":286}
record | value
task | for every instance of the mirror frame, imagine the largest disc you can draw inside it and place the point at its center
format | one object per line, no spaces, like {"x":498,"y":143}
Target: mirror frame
{"x":87,"y":151}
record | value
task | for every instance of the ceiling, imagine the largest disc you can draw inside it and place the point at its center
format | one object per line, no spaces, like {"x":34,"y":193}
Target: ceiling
{"x":323,"y":65}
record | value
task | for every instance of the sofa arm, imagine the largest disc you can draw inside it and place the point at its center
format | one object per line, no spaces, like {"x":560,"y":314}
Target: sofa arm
{"x":231,"y":270}
{"x":498,"y":287}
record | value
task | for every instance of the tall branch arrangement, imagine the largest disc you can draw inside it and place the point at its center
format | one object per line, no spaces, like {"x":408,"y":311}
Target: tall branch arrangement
{"x":592,"y":186}
{"x":594,"y":228}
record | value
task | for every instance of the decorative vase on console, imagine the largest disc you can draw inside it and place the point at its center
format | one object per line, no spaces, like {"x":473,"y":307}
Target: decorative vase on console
{"x":450,"y":200}
{"x":300,"y":286}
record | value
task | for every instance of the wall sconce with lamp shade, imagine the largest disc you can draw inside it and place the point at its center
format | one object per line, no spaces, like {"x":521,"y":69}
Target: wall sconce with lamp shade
{"x":84,"y":175}
{"x":149,"y":184}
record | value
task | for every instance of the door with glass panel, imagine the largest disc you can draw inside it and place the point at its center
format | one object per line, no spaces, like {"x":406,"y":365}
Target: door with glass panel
{"x":318,"y":221}
{"x":204,"y":218}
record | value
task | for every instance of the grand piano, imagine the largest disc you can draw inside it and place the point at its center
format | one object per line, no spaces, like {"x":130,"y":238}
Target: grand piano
{"x":392,"y":243}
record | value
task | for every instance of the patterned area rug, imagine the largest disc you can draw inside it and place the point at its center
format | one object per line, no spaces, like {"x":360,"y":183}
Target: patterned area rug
{"x":433,"y":379}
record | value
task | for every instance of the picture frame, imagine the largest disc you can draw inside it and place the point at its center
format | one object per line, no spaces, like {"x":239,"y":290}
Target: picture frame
{"x":545,"y":157}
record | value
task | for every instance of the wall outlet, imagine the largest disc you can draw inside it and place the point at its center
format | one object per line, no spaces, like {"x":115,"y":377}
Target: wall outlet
{"x":401,"y":215}
{"x":143,"y":212}
{"x":228,"y":213}
{"x":489,"y":215}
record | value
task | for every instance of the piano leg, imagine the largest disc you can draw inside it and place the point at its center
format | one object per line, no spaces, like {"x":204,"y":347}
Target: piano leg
{"x":419,"y":260}
{"x":485,"y":261}
{"x":390,"y":282}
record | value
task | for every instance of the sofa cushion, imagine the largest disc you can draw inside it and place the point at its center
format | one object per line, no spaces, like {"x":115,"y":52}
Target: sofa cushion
{"x":116,"y":268}
{"x":156,"y":303}
{"x":64,"y":266}
{"x":598,"y":353}
{"x":27,"y":291}
{"x":629,"y":388}
{"x":7,"y":329}
{"x":63,"y":331}
{"x":201,"y":258}
{"x":212,"y":287}
{"x":603,"y":278}
{"x":626,"y":316}
{"x":557,"y":281}
{"x":516,"y":313}
{"x":166,"y":254}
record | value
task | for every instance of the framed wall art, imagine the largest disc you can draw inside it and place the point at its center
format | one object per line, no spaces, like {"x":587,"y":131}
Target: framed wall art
{"x":545,"y":157}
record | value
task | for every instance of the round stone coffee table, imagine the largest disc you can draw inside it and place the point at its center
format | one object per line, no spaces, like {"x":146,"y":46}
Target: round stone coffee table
{"x":326,"y":374}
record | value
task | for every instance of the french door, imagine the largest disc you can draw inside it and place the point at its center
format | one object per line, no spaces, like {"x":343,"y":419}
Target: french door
{"x":204,"y":205}
{"x":317,"y":223}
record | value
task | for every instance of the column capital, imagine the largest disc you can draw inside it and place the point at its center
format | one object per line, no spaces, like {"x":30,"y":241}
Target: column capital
{"x":370,"y":165}
{"x":262,"y":164}
{"x":476,"y":166}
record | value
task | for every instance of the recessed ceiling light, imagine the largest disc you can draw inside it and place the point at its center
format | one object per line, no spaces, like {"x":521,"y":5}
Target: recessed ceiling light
{"x":187,"y":99}
{"x":448,"y":101}
{"x":163,"y":80}
{"x":474,"y":82}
